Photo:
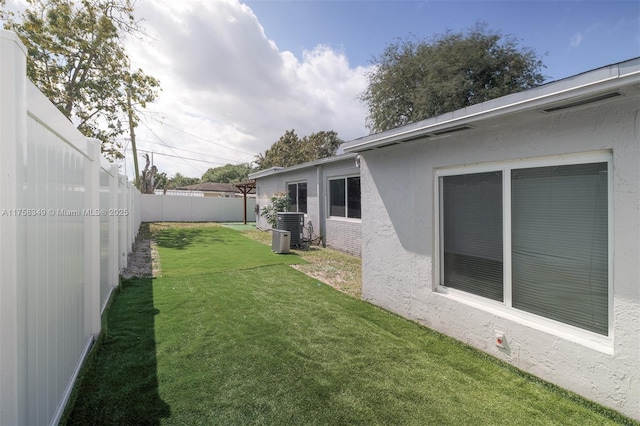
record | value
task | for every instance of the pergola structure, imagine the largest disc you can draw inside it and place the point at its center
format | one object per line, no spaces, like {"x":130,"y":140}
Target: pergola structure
{"x":246,"y":188}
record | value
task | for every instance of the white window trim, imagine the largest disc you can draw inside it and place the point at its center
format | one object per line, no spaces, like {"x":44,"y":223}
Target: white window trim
{"x":328,"y":199}
{"x":504,"y":309}
{"x":344,"y":219}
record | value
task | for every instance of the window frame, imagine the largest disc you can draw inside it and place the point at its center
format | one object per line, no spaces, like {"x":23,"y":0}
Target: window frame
{"x":345,"y":178}
{"x":297,"y":184}
{"x":505,"y":309}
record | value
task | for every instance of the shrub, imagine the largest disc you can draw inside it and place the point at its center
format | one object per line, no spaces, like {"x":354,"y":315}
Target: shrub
{"x":279,"y":203}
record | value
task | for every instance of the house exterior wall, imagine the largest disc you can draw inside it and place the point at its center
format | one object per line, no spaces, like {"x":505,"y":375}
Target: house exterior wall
{"x":399,"y":228}
{"x":338,"y":233}
{"x":265,"y":188}
{"x":269,"y":185}
{"x":342,"y":233}
{"x":345,"y":235}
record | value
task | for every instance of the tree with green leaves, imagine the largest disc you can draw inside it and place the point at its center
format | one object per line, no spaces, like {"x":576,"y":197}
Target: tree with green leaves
{"x":77,"y":58}
{"x":179,"y":180}
{"x":229,"y":173}
{"x":414,"y":80}
{"x":290,"y":149}
{"x":161,"y":180}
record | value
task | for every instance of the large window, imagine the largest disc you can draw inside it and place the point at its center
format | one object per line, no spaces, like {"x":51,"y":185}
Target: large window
{"x":297,"y":197}
{"x":554,"y":225}
{"x":472,"y":229}
{"x":344,"y":197}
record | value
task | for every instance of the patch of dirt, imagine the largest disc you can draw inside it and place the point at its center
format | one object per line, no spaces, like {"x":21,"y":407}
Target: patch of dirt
{"x":334,"y":279}
{"x":156,"y":270}
{"x":337,"y":279}
{"x":143,"y":261}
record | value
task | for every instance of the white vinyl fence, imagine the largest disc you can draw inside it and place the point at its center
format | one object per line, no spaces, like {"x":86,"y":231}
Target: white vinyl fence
{"x":172,"y":208}
{"x":67,"y":222}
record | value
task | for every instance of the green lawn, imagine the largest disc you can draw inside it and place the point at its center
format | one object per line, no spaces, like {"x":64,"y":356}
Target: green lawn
{"x":232,"y":335}
{"x":339,"y":270}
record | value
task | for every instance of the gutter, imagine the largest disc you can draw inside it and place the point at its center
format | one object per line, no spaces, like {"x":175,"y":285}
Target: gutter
{"x":278,"y":170}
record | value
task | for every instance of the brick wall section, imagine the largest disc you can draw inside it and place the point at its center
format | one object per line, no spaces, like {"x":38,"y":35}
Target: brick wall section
{"x":344,"y":235}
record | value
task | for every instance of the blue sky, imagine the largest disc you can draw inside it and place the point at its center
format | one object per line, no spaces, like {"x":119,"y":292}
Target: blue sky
{"x":236,"y":75}
{"x":572,"y":36}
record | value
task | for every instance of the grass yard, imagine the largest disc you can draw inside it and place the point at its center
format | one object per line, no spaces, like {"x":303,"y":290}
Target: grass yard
{"x":230,"y":334}
{"x":337,"y":269}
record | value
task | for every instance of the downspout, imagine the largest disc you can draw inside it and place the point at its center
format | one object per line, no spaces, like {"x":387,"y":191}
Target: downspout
{"x":322,"y":202}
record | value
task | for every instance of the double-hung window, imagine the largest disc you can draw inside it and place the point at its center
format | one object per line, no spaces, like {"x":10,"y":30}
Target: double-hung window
{"x":532,"y":235}
{"x":344,"y":197}
{"x":297,"y":197}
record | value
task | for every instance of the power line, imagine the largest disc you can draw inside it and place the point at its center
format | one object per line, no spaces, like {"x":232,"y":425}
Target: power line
{"x":200,"y":137}
{"x":180,"y":157}
{"x":192,"y":152}
{"x":209,"y":141}
{"x":177,"y":156}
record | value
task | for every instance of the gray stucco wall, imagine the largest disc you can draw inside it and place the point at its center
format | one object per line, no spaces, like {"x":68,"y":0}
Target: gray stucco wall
{"x":267,"y":186}
{"x":399,"y":266}
{"x":339,"y":233}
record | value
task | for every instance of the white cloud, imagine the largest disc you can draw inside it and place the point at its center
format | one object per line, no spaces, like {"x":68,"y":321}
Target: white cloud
{"x":576,"y":39}
{"x":224,"y":81}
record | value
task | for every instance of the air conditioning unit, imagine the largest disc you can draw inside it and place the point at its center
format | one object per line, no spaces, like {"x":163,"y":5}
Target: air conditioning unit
{"x":280,"y":241}
{"x":294,"y":223}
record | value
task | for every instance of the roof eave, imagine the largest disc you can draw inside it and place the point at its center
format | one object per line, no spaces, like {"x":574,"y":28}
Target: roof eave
{"x":263,"y":173}
{"x":590,"y":83}
{"x":278,"y":170}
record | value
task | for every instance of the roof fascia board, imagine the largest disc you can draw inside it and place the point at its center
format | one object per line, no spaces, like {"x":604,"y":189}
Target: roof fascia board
{"x":280,"y":170}
{"x":263,"y":173}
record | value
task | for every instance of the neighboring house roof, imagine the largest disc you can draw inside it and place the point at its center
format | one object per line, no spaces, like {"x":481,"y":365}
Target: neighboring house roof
{"x":600,"y":84}
{"x":210,"y":187}
{"x":278,"y":170}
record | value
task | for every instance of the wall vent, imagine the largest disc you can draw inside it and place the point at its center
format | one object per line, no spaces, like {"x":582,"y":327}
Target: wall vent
{"x":451,"y":130}
{"x":584,"y":101}
{"x":416,"y":138}
{"x":388,"y":144}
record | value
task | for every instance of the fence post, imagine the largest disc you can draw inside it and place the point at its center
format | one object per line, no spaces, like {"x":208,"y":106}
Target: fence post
{"x":128,"y":217}
{"x":114,"y":237}
{"x":13,"y":291}
{"x":122,"y":229}
{"x":92,"y":238}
